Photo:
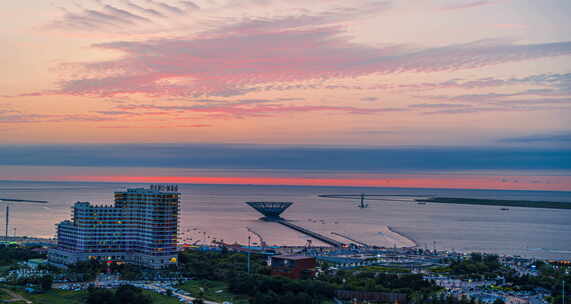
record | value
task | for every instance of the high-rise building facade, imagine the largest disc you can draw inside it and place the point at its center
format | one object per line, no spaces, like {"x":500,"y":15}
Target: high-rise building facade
{"x":140,"y":228}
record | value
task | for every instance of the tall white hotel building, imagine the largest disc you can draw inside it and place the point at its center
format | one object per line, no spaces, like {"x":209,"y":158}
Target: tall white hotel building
{"x":141,"y":228}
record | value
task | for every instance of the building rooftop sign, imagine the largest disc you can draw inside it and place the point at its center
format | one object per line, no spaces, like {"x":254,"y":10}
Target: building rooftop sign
{"x":164,"y":188}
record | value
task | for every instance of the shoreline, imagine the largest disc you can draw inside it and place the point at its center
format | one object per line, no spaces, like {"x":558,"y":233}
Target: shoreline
{"x":496,"y":202}
{"x":393,"y":230}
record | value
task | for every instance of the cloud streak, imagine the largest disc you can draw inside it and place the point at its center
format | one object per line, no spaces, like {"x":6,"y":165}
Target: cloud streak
{"x":564,"y":137}
{"x":330,"y":17}
{"x":246,"y":108}
{"x":142,"y":10}
{"x":128,"y":14}
{"x":230,"y":65}
{"x":467,"y":5}
{"x":547,"y":91}
{"x":49,"y":118}
{"x":557,"y":84}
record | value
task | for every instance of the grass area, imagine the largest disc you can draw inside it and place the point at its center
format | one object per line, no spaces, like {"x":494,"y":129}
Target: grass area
{"x":494,"y":202}
{"x":3,"y":295}
{"x":4,"y":269}
{"x":213,"y":290}
{"x":382,"y":269}
{"x":161,"y":299}
{"x":55,"y":296}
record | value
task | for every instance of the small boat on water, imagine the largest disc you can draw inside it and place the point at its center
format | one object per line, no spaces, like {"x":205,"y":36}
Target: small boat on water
{"x":505,"y":209}
{"x":421,"y":203}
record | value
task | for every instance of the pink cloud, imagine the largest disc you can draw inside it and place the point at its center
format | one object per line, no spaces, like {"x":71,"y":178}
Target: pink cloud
{"x":238,"y":57}
{"x":42,"y":118}
{"x":154,"y":126}
{"x":231,"y":65}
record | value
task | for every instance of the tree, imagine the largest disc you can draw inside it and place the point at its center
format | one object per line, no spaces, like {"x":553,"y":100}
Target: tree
{"x":127,"y":294}
{"x":10,"y":254}
{"x":198,"y":301}
{"x":46,"y":282}
{"x":99,"y":296}
{"x":499,"y":301}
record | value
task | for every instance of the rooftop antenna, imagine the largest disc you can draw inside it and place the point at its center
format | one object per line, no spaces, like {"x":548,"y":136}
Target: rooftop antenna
{"x":13,"y":200}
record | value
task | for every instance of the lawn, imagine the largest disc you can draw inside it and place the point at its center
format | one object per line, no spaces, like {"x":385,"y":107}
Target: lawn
{"x":161,"y":299}
{"x":3,"y":295}
{"x":55,"y":296}
{"x":213,"y":291}
{"x":4,"y":269}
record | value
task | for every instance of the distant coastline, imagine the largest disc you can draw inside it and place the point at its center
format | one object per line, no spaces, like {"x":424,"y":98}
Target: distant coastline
{"x":495,"y":202}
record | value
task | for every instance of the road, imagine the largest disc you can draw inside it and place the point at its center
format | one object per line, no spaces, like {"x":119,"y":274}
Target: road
{"x":15,"y":297}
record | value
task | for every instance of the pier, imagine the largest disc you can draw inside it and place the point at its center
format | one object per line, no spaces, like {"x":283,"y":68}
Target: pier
{"x":273,"y":210}
{"x":312,"y":234}
{"x":351,"y":239}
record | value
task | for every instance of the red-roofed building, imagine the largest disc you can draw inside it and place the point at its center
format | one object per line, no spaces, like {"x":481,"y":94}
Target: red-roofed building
{"x":293,"y":266}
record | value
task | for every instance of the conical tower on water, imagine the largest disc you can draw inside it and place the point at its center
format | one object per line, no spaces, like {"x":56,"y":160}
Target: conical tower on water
{"x":270,"y":210}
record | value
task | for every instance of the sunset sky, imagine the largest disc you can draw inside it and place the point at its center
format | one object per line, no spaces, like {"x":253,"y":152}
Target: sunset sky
{"x":469,"y":78}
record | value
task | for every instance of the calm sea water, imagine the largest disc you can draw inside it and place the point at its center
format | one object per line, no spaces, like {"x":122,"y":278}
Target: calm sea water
{"x":219,"y":212}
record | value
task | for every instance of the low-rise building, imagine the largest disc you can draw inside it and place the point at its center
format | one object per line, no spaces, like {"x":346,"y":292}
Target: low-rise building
{"x":35,"y":263}
{"x":293,"y":266}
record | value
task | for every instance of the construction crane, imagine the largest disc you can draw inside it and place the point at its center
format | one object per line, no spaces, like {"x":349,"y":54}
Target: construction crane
{"x":12,"y":200}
